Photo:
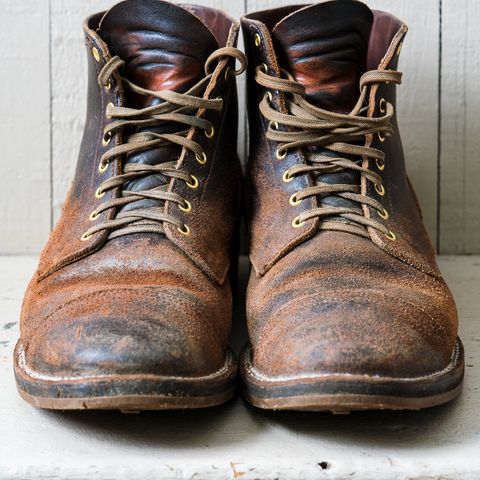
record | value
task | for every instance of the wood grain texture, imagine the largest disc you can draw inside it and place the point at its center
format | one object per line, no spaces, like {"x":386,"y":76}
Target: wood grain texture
{"x":417,"y":97}
{"x":25,"y":126}
{"x":39,"y":171}
{"x":69,"y":84}
{"x":236,"y":441}
{"x":460,"y":128}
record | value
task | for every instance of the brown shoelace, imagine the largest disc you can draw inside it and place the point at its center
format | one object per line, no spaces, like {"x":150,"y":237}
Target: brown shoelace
{"x":177,"y":108}
{"x":306,"y":125}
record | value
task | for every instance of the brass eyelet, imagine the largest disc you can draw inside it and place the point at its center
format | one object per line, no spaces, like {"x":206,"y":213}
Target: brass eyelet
{"x":281,"y":153}
{"x":273,"y":125}
{"x":102,"y":167}
{"x":297,"y":223}
{"x":93,"y":216}
{"x":383,"y":213}
{"x":185,"y":230}
{"x":108,"y":86}
{"x":211,"y":133}
{"x":106,"y":138}
{"x":264,"y":67}
{"x":381,"y":137}
{"x":194,"y":183}
{"x":227,"y":74}
{"x":380,"y":190}
{"x":380,"y":165}
{"x":99,"y":193}
{"x":106,"y":111}
{"x":202,"y":160}
{"x":287,"y":177}
{"x":391,"y":236}
{"x":382,"y":105}
{"x":187,"y":208}
{"x":294,"y":200}
{"x":96,"y":54}
{"x":86,"y":237}
{"x":268,"y":97}
{"x":257,"y":40}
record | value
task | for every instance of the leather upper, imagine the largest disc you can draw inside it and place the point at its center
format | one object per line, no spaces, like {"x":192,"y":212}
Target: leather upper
{"x":325,"y":301}
{"x":143,"y":302}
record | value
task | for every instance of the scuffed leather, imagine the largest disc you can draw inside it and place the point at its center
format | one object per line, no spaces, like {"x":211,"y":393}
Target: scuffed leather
{"x":334,"y":302}
{"x":140,"y":303}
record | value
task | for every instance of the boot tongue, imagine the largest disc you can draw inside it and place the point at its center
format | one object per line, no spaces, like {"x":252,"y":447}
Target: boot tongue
{"x":325,"y":46}
{"x":163,"y":45}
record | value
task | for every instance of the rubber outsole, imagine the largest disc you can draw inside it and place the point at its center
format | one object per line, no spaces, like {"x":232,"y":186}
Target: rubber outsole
{"x":343,"y":393}
{"x":125,"y":392}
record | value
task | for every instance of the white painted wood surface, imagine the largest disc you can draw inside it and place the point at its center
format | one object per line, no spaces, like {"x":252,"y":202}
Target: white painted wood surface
{"x":460,"y":127}
{"x":42,"y":80}
{"x":24,"y":126}
{"x":236,"y":441}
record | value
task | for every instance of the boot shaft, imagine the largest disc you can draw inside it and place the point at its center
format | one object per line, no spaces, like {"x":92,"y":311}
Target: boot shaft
{"x":338,"y":43}
{"x":162,"y":47}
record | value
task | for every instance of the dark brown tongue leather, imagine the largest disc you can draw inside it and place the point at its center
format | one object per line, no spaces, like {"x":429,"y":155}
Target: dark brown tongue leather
{"x":164,"y":47}
{"x":325,"y":46}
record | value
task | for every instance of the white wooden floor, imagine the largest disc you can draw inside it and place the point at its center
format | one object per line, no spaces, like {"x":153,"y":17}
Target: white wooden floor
{"x":236,"y":441}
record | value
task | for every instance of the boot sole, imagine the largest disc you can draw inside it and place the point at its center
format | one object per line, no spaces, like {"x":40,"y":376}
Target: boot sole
{"x":344,"y":393}
{"x":127,"y":393}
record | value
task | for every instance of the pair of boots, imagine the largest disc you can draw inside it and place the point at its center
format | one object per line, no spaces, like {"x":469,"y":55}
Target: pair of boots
{"x":131,"y":305}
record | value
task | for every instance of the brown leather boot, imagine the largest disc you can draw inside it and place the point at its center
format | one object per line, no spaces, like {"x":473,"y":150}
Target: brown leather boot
{"x":346,"y":306}
{"x":131,"y":305}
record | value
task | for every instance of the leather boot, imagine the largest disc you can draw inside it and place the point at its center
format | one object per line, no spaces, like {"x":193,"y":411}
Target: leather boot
{"x":346,"y":306}
{"x":130,"y":307}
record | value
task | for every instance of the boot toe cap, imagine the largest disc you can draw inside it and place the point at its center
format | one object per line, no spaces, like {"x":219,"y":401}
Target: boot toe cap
{"x":357,"y":333}
{"x":125,"y":332}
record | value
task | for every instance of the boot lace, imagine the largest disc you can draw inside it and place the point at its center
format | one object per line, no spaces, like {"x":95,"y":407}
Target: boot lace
{"x":176,"y":108}
{"x":332,"y":143}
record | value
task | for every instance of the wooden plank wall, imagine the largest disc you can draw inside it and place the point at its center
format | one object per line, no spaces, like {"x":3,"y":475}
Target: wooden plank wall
{"x":42,"y":98}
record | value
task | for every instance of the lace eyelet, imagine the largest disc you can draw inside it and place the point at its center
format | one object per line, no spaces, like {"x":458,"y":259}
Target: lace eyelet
{"x":287,"y":178}
{"x":202,"y":160}
{"x":264,"y":67}
{"x":187,"y":208}
{"x":102,"y":167}
{"x":382,"y":105}
{"x":381,"y":137}
{"x":391,"y":236}
{"x":194,"y":183}
{"x":110,"y":105}
{"x":185,"y":230}
{"x":273,"y":125}
{"x":268,"y":97}
{"x":294,"y":201}
{"x":227,"y":74}
{"x":99,"y":193}
{"x":96,"y":54}
{"x":211,"y":133}
{"x":85,"y":237}
{"x":108,"y":86}
{"x":383,"y":213}
{"x":380,"y":190}
{"x":297,"y":223}
{"x":380,"y":165}
{"x":257,"y":40}
{"x":93,"y":216}
{"x":106,"y":139}
{"x":281,"y":153}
